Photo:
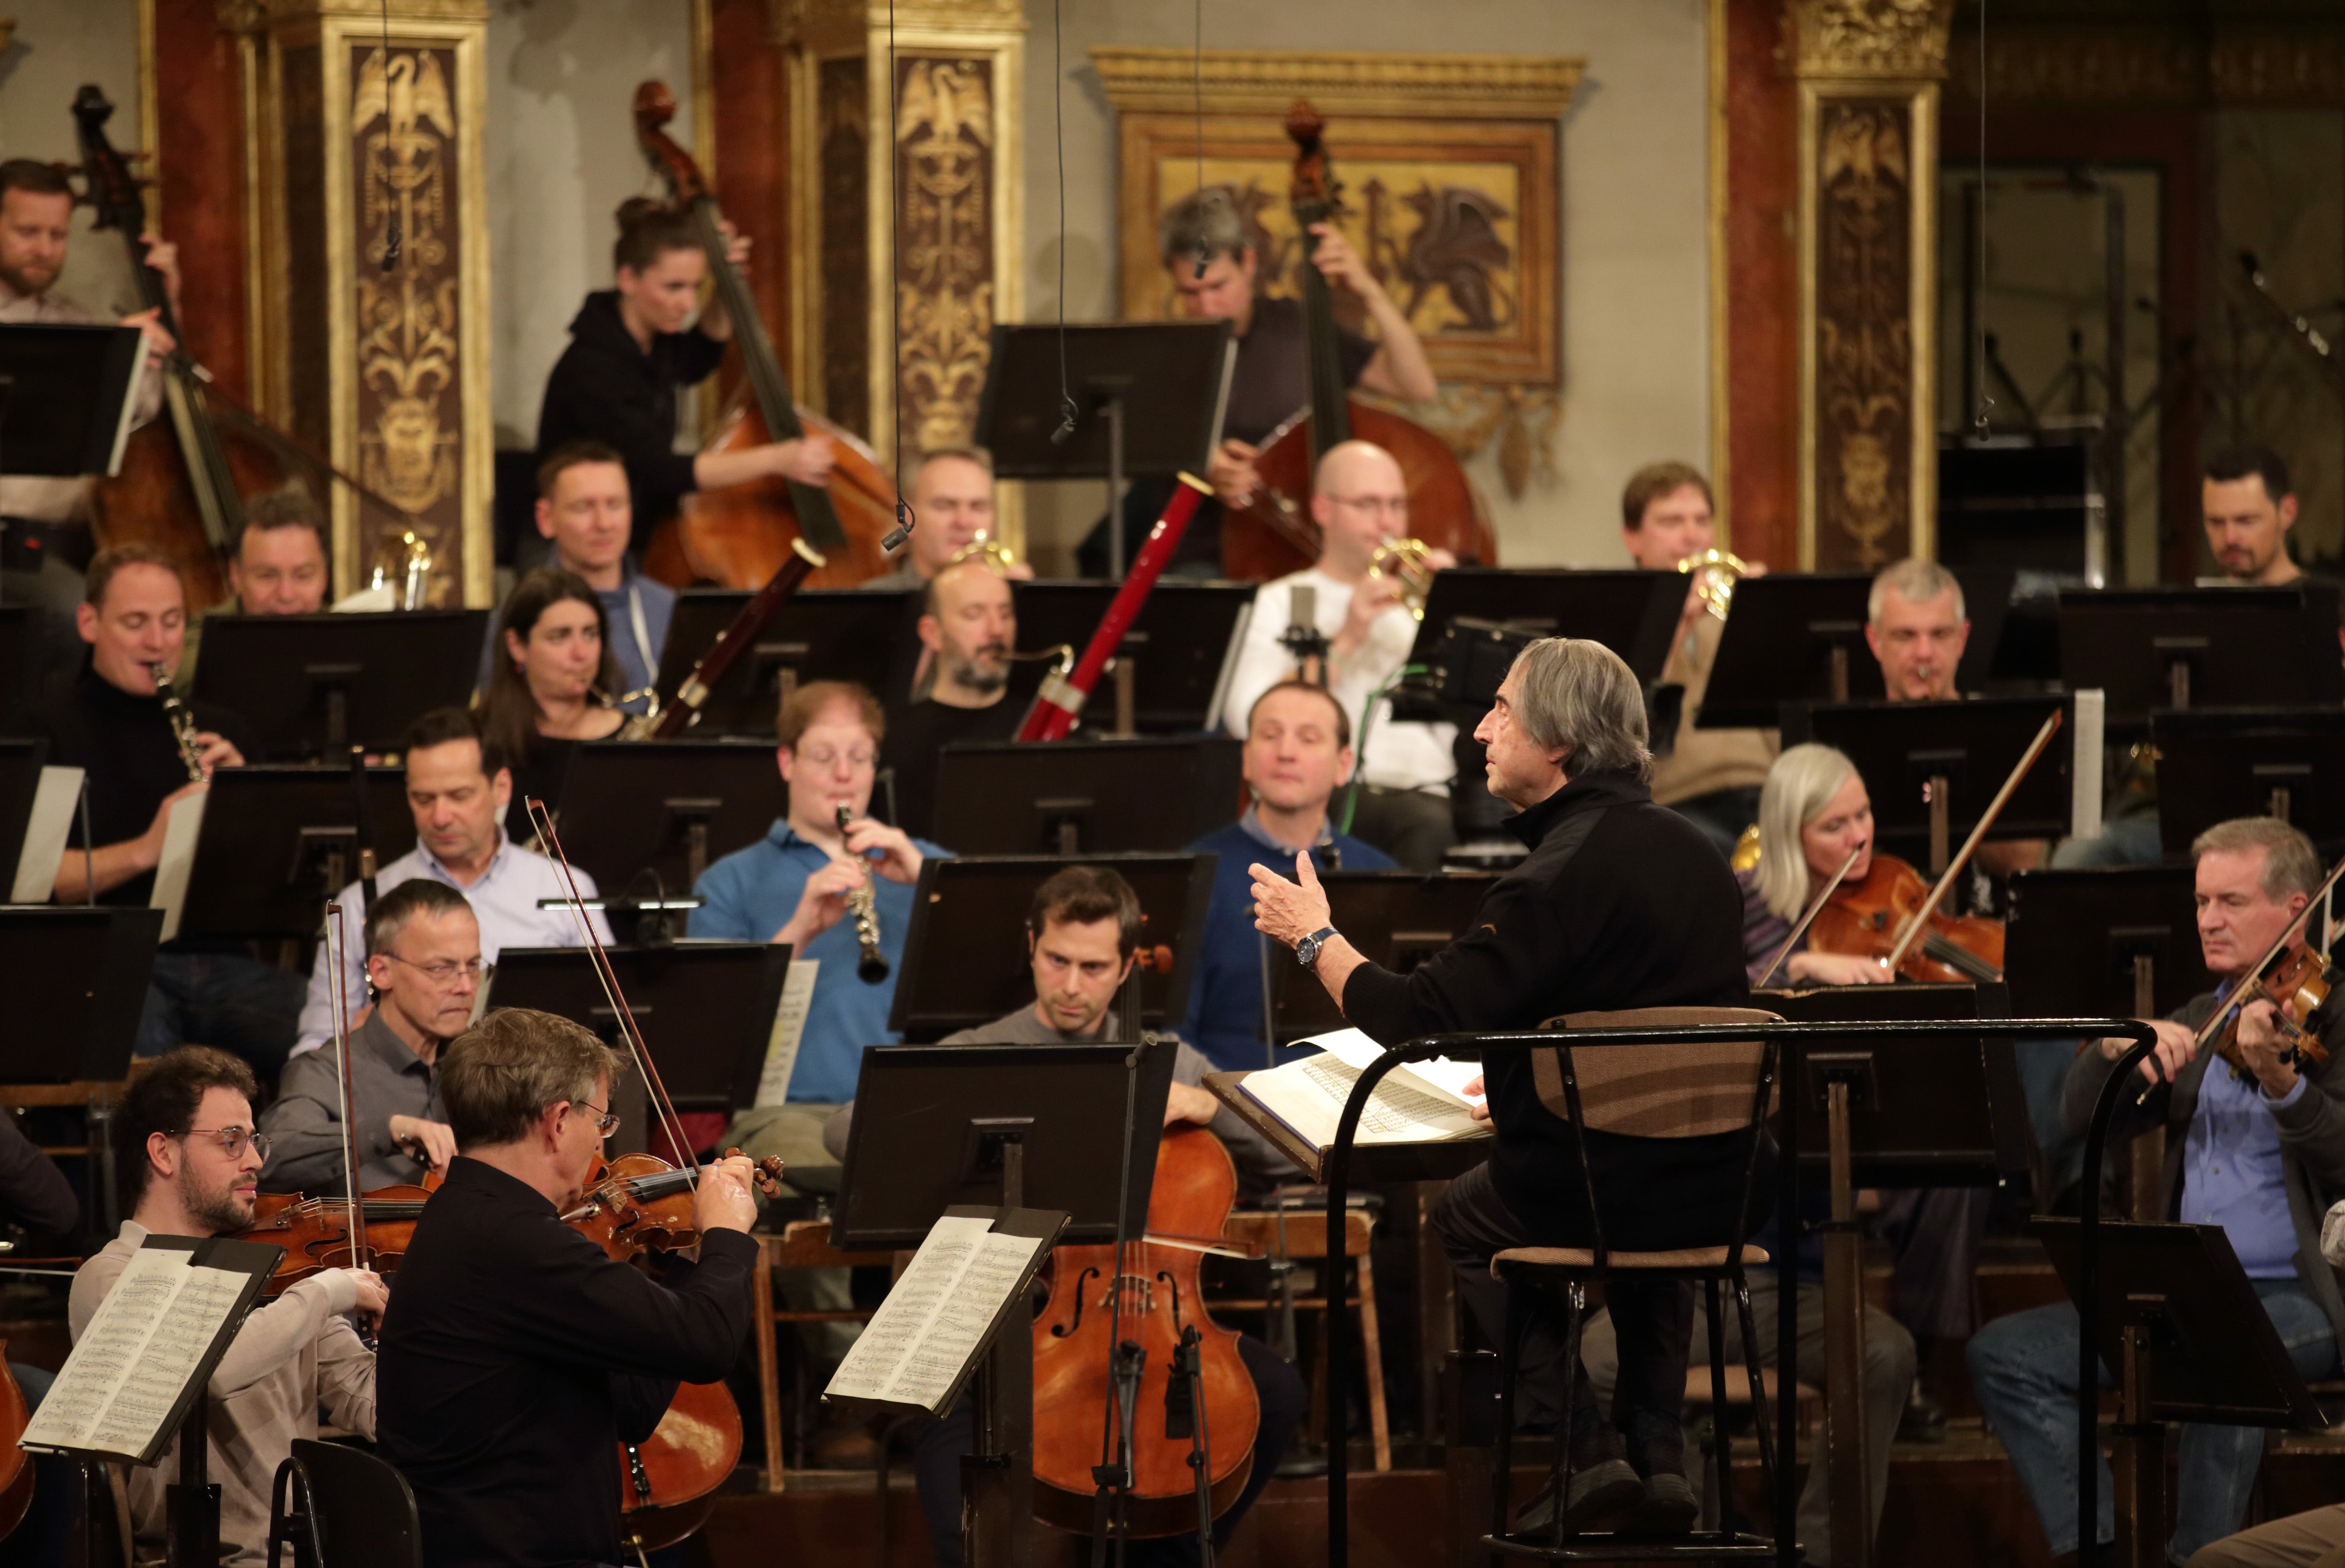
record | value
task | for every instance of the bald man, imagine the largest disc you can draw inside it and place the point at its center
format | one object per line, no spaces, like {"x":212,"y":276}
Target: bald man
{"x":968,"y":627}
{"x":951,"y":496}
{"x":1360,"y":501}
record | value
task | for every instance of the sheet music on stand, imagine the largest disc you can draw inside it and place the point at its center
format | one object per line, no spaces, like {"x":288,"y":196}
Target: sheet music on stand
{"x":144,"y":1361}
{"x":968,"y":1281}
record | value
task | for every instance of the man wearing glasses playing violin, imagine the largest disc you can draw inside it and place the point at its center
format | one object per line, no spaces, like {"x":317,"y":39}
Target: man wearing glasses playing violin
{"x":190,"y":1161}
{"x":2254,"y":1144}
{"x":424,"y":966}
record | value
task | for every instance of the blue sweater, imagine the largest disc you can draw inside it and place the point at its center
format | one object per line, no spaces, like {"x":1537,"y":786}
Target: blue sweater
{"x":752,"y":893}
{"x":1224,"y":1019}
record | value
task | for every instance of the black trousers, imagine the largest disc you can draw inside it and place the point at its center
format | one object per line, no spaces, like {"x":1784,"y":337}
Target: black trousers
{"x":936,"y":1454}
{"x":1653,"y":1320}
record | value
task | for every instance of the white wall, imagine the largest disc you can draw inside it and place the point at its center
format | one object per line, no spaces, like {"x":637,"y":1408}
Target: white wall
{"x":561,"y":155}
{"x":58,"y":45}
{"x":1635,"y":227}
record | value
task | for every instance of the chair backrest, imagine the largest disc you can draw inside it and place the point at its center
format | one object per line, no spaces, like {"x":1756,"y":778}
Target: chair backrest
{"x":361,"y":1508}
{"x":1678,"y":1090}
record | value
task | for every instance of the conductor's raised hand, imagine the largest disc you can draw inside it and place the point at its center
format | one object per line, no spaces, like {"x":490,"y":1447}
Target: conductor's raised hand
{"x":899,"y":859}
{"x":1284,"y":911}
{"x":726,"y":1198}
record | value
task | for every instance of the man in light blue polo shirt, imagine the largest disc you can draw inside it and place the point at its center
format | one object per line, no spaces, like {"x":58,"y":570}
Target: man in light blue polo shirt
{"x":792,"y":886}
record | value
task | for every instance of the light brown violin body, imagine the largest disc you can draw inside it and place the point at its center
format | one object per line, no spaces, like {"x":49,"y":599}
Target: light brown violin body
{"x":316,"y":1231}
{"x":15,"y":1465}
{"x":2296,"y":983}
{"x":1195,"y":1187}
{"x":1865,"y":920}
{"x":740,"y":536}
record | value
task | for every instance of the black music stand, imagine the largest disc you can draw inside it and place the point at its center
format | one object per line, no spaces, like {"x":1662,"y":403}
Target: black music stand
{"x":21,"y":762}
{"x":864,"y":635}
{"x":2214,"y":765}
{"x":1148,"y":402}
{"x":315,"y":685}
{"x":78,"y":981}
{"x":2202,"y":648}
{"x":965,"y":957}
{"x":1793,"y":637}
{"x":1085,"y":797}
{"x":706,"y":1008}
{"x":668,"y":807}
{"x":278,"y":842}
{"x":1395,"y":918}
{"x":66,"y":395}
{"x":1633,"y":614}
{"x":1180,"y":648}
{"x":2121,"y":941}
{"x":2193,"y":1344}
{"x":1900,"y":749}
{"x":19,"y":663}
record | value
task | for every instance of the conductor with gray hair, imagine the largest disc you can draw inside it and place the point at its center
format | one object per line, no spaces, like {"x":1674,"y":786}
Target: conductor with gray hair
{"x":1620,"y":904}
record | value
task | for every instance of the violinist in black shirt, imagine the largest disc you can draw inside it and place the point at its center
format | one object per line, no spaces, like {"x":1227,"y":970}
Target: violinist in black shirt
{"x":631,"y":346}
{"x":516,"y":1355}
{"x":112,"y":723}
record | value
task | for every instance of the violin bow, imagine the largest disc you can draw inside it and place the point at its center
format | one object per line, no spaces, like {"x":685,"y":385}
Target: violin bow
{"x":1920,"y":922}
{"x":336,"y":950}
{"x":2214,"y":1025}
{"x":1815,"y":907}
{"x":608,"y":977}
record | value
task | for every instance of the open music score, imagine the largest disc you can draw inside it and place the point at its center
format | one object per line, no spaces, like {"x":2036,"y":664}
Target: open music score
{"x":925,"y":1338}
{"x":1418,"y":1115}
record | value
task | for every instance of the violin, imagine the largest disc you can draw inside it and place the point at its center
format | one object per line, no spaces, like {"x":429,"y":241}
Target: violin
{"x":15,"y":1465}
{"x":640,"y":1203}
{"x":1867,"y":918}
{"x":2295,"y":982}
{"x":1273,"y":534}
{"x":316,"y":1231}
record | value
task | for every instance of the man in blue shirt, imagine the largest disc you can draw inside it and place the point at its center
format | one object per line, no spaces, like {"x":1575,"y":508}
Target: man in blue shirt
{"x":792,"y":886}
{"x":2258,"y":1149}
{"x":1299,"y":753}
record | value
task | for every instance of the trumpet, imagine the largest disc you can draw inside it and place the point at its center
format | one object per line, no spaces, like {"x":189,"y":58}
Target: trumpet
{"x":872,"y":967}
{"x":1715,"y":572}
{"x":1409,"y":563}
{"x":183,"y":723}
{"x":996,"y":555}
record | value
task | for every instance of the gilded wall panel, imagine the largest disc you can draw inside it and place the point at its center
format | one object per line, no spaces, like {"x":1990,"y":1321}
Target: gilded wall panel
{"x":945,"y":251}
{"x":1864,"y":375}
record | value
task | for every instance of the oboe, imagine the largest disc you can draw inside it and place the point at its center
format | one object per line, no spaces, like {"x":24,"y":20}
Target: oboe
{"x":872,"y":967}
{"x":183,"y":723}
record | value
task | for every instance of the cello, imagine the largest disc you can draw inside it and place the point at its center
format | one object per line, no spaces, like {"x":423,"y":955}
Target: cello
{"x":741,"y":535}
{"x":1274,"y":533}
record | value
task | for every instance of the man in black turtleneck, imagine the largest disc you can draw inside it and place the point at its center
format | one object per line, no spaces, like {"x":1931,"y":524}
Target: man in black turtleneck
{"x":110,"y":722}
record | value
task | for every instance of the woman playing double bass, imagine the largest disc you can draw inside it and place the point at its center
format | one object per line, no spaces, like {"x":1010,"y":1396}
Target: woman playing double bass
{"x":631,"y":346}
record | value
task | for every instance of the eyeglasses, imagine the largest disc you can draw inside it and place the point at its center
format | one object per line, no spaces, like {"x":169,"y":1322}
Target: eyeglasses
{"x":606,"y":1121}
{"x":1374,"y":505}
{"x":443,"y":972}
{"x":233,"y":1141}
{"x":856,"y":762}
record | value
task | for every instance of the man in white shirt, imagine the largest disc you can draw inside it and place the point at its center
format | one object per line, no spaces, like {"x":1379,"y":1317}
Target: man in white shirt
{"x":458,"y":788}
{"x":1360,"y":501}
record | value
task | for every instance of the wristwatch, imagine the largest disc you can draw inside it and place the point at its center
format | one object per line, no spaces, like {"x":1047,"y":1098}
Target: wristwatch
{"x":1307,"y":952}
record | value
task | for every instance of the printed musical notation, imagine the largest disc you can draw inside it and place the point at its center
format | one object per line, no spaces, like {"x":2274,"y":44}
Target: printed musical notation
{"x":130,"y":1367}
{"x":934,"y":1321}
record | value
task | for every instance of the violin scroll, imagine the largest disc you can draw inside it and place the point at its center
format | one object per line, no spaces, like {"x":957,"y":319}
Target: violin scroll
{"x":769,"y":1172}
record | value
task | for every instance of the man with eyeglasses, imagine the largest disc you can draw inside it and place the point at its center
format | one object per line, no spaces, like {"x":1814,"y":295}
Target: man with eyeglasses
{"x":792,"y":886}
{"x":423,"y":961}
{"x":1360,"y":503}
{"x":190,"y":1162}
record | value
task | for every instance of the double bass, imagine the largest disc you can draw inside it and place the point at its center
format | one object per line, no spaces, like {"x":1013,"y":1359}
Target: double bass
{"x":1273,"y":534}
{"x":741,"y":535}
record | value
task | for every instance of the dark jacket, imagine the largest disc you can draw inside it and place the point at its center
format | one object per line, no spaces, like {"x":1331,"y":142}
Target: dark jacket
{"x":2311,"y":1138}
{"x":1633,"y":909}
{"x":605,"y":388}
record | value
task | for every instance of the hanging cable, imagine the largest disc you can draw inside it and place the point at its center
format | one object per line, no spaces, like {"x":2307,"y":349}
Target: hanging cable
{"x":1982,"y":417}
{"x":1197,"y":91}
{"x":1067,"y":410}
{"x":905,"y":520}
{"x":391,"y":239}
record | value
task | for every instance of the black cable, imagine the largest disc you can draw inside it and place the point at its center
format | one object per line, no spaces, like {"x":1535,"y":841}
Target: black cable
{"x":391,"y":239}
{"x":905,"y":520}
{"x":1197,"y":91}
{"x":1983,"y":416}
{"x":1067,"y":410}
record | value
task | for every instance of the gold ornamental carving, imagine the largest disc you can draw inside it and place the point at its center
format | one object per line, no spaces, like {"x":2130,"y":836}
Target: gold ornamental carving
{"x":2155,"y":64}
{"x":944,"y":267}
{"x":1871,"y":39}
{"x":1338,"y":83}
{"x":1864,"y":335}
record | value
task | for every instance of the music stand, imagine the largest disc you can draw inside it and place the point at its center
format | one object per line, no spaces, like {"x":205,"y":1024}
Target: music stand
{"x":965,"y":958}
{"x":1793,"y":637}
{"x":311,"y":685}
{"x":1180,"y":647}
{"x":2202,"y":648}
{"x":20,"y":780}
{"x":864,"y":635}
{"x":67,"y":396}
{"x":1932,"y":767}
{"x":2114,"y":941}
{"x":1633,"y":614}
{"x":1149,"y":397}
{"x":2214,"y":765}
{"x":80,"y":979}
{"x":1085,"y":797}
{"x":19,"y":664}
{"x":706,"y":1008}
{"x":665,"y":806}
{"x":1395,"y":918}
{"x":278,"y":842}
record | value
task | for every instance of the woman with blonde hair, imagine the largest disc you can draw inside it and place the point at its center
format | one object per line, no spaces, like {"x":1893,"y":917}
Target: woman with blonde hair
{"x":1813,"y":812}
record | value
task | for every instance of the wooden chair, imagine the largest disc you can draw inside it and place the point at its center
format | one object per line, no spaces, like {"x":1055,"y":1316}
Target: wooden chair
{"x":1306,"y":1239}
{"x":801,"y":1244}
{"x":1656,"y":1091}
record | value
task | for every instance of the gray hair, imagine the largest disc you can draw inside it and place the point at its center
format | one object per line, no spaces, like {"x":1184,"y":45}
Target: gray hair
{"x":497,"y":1078}
{"x":1575,"y":695}
{"x":1202,"y":222}
{"x":2290,"y":864}
{"x":1917,"y":581}
{"x":393,"y":911}
{"x":1799,"y":785}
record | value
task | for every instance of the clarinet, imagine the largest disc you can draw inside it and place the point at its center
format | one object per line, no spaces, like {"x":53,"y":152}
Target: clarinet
{"x":872,"y":967}
{"x":183,"y":723}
